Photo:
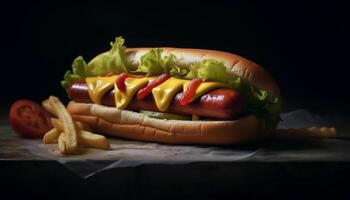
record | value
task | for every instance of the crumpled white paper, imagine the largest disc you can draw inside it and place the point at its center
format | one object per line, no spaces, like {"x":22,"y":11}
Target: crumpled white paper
{"x":124,"y":153}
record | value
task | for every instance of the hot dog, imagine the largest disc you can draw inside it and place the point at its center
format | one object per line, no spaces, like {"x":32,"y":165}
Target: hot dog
{"x":221,"y":103}
{"x":236,"y":100}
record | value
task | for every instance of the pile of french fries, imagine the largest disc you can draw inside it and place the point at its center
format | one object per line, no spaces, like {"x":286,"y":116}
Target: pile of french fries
{"x":70,"y":134}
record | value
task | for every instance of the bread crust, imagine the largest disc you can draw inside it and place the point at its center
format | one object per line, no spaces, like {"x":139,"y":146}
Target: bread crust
{"x":137,"y":126}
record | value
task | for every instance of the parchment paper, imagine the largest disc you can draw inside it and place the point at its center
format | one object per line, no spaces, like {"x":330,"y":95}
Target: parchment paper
{"x":125,"y":153}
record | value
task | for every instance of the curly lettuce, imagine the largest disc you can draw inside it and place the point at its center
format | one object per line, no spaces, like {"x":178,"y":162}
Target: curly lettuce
{"x":154,"y":63}
{"x":178,"y":72}
{"x":262,"y":105}
{"x":79,"y":72}
{"x":113,"y":60}
{"x":212,"y":70}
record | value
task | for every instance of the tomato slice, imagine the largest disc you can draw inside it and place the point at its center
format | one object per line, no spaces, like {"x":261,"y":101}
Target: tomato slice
{"x":120,"y":82}
{"x":29,"y":119}
{"x":141,"y":94}
{"x":191,"y":90}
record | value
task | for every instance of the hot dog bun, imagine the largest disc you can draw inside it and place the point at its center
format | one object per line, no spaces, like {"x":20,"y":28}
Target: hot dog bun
{"x":133,"y":125}
{"x":137,"y":126}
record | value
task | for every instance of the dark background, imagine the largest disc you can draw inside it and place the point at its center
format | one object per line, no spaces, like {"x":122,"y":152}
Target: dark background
{"x":304,"y":45}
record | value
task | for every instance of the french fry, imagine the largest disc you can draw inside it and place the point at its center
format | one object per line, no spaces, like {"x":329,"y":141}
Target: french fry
{"x":51,"y":136}
{"x":70,"y":133}
{"x":48,"y":107}
{"x":89,"y":139}
{"x":59,"y":125}
{"x":62,"y":144}
{"x":71,"y":142}
{"x":85,"y":138}
{"x":300,"y":133}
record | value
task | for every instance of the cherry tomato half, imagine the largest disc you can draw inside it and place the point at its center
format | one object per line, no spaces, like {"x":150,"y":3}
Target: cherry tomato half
{"x":29,"y":119}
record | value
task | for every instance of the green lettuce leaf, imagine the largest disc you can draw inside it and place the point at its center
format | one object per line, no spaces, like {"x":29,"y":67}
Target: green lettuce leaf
{"x":154,"y":63}
{"x":259,"y":94}
{"x":79,"y":72}
{"x":113,"y":60}
{"x":212,"y":70}
{"x":270,"y":112}
{"x":262,"y":105}
{"x":179,"y":72}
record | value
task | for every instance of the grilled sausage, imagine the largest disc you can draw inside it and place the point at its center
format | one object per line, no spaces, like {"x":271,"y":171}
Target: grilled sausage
{"x":219,"y":103}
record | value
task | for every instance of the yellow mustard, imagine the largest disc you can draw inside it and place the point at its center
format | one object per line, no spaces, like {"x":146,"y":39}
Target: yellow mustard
{"x":204,"y":88}
{"x":98,"y":86}
{"x":122,"y":99}
{"x":162,"y":94}
{"x":165,"y":92}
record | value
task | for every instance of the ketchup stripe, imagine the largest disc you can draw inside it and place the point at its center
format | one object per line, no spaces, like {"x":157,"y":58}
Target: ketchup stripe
{"x":190,"y":92}
{"x":144,"y":92}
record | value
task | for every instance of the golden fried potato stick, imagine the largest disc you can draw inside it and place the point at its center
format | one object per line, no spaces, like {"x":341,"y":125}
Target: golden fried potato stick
{"x":71,"y":141}
{"x":69,"y":133}
{"x":62,"y":144}
{"x":85,"y":138}
{"x":78,"y":125}
{"x":48,"y":107}
{"x":301,"y":133}
{"x":51,"y":136}
{"x":89,"y":139}
{"x":57,"y":124}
